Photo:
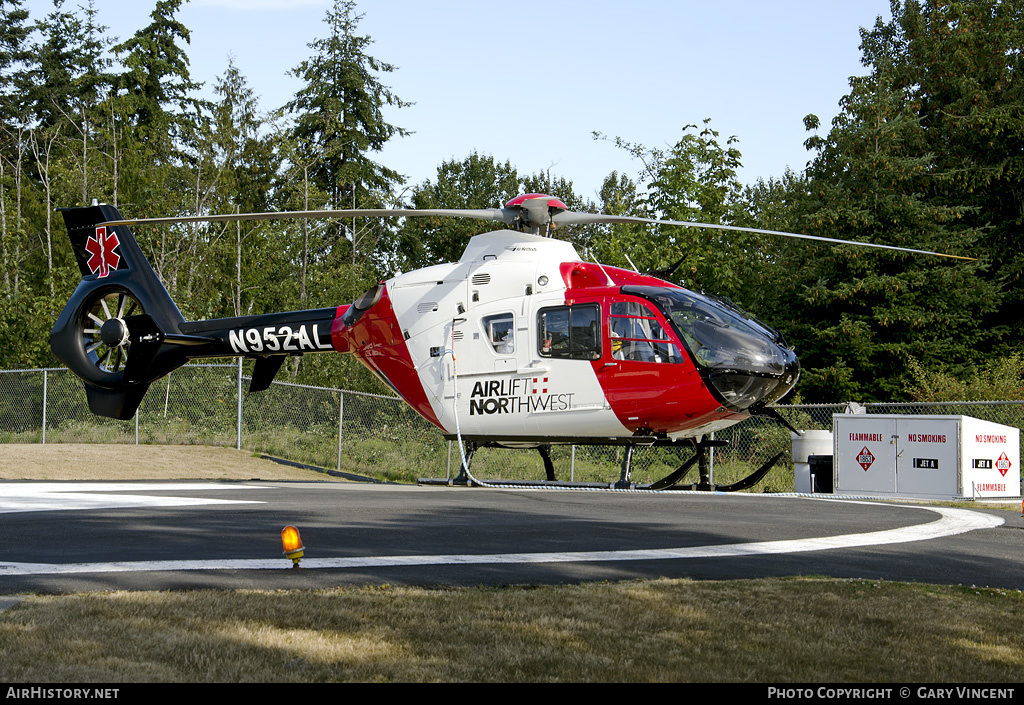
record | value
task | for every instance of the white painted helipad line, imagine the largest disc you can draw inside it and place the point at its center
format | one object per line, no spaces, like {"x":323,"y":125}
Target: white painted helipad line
{"x":69,"y":496}
{"x":950,"y":523}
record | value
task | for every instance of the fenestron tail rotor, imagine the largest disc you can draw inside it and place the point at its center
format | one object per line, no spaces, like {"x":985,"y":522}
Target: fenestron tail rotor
{"x":104,"y":332}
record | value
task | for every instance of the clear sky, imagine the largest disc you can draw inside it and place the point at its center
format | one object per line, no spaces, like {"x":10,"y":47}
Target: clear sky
{"x":529,"y":82}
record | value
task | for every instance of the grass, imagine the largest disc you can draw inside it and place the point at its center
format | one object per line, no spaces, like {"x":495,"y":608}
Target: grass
{"x":388,"y":444}
{"x":396,"y":448}
{"x":770,"y":631}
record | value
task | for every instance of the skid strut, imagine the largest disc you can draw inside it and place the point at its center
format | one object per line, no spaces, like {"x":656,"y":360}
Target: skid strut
{"x":463,"y":477}
{"x":627,"y":463}
{"x":704,"y":482}
{"x":471,"y":448}
{"x":700,"y":458}
{"x":549,"y":467}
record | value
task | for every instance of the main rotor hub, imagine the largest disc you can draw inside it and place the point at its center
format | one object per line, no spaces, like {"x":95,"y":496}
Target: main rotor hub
{"x":535,"y":210}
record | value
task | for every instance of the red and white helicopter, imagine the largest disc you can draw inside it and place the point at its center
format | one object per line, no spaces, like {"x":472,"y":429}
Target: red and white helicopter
{"x":520,"y":343}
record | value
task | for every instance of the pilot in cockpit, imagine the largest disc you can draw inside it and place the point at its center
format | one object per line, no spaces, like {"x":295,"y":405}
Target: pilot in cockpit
{"x":501,"y":336}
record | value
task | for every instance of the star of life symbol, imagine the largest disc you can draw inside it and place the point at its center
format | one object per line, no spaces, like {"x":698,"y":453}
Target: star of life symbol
{"x":102,"y":247}
{"x":864,"y":458}
{"x":1003,"y":465}
{"x":540,"y":385}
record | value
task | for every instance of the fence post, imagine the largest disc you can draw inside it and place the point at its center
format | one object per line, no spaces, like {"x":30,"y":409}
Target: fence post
{"x":341,"y":416}
{"x":238,"y":436}
{"x":44,"y":407}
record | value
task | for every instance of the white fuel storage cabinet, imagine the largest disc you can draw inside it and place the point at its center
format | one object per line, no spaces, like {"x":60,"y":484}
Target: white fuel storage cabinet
{"x":942,"y":457}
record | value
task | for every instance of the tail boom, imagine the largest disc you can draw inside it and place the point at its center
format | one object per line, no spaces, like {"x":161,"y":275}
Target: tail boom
{"x":120,"y":330}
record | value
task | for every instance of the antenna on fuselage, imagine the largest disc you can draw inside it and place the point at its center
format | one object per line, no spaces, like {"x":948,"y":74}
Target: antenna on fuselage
{"x":611,"y":282}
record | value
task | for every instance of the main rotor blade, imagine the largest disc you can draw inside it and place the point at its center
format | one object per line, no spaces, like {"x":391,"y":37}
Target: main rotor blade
{"x":498,"y":214}
{"x":572,"y":218}
{"x":507,"y":216}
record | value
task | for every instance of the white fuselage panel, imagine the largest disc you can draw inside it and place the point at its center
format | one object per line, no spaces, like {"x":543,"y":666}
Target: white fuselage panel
{"x":471,"y":329}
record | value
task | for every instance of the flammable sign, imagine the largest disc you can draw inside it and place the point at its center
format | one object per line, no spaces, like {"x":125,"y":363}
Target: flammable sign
{"x":1003,"y":465}
{"x":864,"y":458}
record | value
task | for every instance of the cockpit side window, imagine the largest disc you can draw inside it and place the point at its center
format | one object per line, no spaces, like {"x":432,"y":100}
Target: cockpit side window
{"x":637,"y":335}
{"x":718,"y":334}
{"x":570,"y":332}
{"x":500,"y":331}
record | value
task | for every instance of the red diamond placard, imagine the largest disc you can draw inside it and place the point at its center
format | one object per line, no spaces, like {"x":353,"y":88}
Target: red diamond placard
{"x":864,"y":458}
{"x":1003,"y":465}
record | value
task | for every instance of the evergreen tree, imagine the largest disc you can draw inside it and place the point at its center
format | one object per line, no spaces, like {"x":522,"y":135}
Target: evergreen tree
{"x":47,"y":87}
{"x":338,"y":119}
{"x":772,"y":204}
{"x":963,"y":68}
{"x":154,"y":111}
{"x":246,"y":165}
{"x":157,"y":78}
{"x":857,"y":316}
{"x":13,"y":52}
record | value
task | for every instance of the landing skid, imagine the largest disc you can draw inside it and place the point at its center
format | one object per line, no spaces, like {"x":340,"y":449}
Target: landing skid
{"x":670,"y":482}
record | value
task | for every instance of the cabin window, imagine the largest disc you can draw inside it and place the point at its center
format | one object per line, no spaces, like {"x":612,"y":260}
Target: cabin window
{"x":501,"y":332}
{"x":636,"y":335}
{"x":570,"y":332}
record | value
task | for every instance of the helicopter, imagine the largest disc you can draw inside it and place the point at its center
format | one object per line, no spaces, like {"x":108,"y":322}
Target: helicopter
{"x":519,"y":344}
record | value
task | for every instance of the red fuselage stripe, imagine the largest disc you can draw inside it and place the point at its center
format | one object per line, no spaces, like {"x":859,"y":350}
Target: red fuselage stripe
{"x":377,"y":340}
{"x":662,"y":397}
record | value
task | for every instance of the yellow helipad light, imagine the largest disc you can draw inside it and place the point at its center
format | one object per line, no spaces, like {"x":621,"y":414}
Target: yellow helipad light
{"x":292,"y":543}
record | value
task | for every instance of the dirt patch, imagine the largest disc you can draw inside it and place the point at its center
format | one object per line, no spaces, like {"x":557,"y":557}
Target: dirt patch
{"x":83,"y":461}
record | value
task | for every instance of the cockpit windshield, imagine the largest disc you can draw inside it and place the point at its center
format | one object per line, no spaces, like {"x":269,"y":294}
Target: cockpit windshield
{"x":718,"y":334}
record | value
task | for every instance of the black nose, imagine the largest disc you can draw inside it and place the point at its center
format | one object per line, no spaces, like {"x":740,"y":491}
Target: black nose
{"x":787,"y":380}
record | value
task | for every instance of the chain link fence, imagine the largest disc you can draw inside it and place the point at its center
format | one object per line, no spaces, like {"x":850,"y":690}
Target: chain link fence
{"x":380,"y":435}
